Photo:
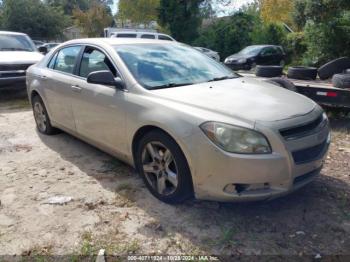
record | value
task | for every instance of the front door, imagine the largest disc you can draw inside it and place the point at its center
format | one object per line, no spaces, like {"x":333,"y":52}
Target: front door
{"x":99,"y":110}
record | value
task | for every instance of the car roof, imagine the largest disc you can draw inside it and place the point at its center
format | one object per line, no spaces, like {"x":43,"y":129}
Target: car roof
{"x":11,"y":33}
{"x":137,"y":32}
{"x":118,"y":41}
{"x":264,"y":46}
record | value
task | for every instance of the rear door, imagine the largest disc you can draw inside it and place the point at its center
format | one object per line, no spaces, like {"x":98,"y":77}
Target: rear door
{"x":99,"y":110}
{"x":58,"y":88}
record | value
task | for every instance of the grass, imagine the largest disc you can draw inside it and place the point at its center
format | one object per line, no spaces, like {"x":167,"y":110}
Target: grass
{"x":113,"y":245}
{"x":126,"y":194}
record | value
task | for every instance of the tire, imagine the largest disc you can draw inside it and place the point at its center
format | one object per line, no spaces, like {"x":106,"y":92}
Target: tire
{"x":333,"y":67}
{"x":282,"y":63}
{"x":268,"y":71}
{"x":285,"y":83}
{"x":169,"y":189}
{"x":341,"y":80}
{"x":42,"y":118}
{"x":252,"y":66}
{"x":303,"y":73}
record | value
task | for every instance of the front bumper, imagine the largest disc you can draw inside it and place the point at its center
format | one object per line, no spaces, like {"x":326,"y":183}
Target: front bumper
{"x":10,"y":81}
{"x":221,"y":176}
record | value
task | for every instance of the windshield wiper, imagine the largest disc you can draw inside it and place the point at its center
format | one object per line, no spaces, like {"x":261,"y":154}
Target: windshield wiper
{"x":169,"y":85}
{"x":221,"y":78}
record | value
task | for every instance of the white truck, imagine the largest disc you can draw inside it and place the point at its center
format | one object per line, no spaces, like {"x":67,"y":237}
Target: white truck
{"x":17,"y":53}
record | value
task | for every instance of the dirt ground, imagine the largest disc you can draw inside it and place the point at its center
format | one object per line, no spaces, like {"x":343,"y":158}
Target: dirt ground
{"x":111,"y":209}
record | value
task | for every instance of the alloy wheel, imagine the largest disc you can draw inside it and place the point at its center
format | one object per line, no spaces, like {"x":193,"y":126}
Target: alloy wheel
{"x":160,"y":168}
{"x":40,"y":116}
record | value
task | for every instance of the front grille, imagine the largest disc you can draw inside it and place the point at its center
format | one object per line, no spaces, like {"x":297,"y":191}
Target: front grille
{"x":14,"y":67}
{"x":302,"y":130}
{"x":309,"y":154}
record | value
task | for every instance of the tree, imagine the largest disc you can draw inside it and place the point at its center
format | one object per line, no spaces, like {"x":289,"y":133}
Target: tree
{"x":33,"y":17}
{"x":227,"y":35}
{"x":138,"y":11}
{"x":93,"y":21}
{"x":269,"y":33}
{"x":273,"y":11}
{"x":69,"y":5}
{"x":181,"y":17}
{"x":327,"y":36}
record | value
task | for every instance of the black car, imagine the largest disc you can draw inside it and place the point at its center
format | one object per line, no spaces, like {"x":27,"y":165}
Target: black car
{"x":254,"y":55}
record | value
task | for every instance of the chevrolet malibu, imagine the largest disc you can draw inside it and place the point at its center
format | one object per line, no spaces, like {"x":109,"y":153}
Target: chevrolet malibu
{"x":189,"y":125}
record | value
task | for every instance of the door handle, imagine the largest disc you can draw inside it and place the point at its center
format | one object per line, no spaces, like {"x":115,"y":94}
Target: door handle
{"x":43,"y":77}
{"x":76,"y":88}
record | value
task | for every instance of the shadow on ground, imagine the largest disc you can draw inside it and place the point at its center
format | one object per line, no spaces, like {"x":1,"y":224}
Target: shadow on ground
{"x":13,"y":99}
{"x":313,"y":220}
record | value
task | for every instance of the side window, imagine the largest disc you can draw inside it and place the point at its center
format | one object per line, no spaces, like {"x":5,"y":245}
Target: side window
{"x":278,"y":50}
{"x":268,"y":51}
{"x":94,"y":60}
{"x":148,"y":36}
{"x":164,"y":37}
{"x":66,"y":58}
{"x":126,"y":35}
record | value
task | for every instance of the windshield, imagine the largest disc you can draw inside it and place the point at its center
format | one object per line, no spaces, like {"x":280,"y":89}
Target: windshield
{"x":251,"y":50}
{"x":160,"y":66}
{"x":16,"y":43}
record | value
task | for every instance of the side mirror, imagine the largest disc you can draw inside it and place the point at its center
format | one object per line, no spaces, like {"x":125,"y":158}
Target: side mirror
{"x":43,"y":49}
{"x":105,"y":77}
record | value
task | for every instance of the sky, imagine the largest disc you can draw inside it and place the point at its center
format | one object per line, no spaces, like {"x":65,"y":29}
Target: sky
{"x":234,"y":5}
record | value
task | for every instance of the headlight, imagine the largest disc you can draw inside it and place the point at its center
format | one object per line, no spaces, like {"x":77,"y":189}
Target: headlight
{"x":236,"y":139}
{"x":228,"y":60}
{"x":242,"y":61}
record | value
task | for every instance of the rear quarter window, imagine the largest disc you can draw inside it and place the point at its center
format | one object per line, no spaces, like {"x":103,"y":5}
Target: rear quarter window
{"x":164,"y":37}
{"x":126,"y":35}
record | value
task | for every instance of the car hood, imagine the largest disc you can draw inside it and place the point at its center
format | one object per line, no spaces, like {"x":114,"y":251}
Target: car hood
{"x":243,"y":98}
{"x":19,"y":57}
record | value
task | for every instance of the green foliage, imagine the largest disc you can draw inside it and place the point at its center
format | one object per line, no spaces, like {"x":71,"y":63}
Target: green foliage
{"x":295,"y":47}
{"x":181,"y":18}
{"x":327,"y":40}
{"x":229,"y":35}
{"x":32,"y":17}
{"x":94,"y":20}
{"x":299,"y":16}
{"x":271,"y":33}
{"x":69,"y":5}
{"x":326,"y":24}
{"x":138,"y":11}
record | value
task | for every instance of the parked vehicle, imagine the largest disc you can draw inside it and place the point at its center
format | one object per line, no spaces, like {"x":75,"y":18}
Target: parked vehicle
{"x":254,"y":55}
{"x":17,"y":53}
{"x":208,"y":52}
{"x":38,"y":43}
{"x":139,"y":33}
{"x":49,"y":46}
{"x":188,"y":124}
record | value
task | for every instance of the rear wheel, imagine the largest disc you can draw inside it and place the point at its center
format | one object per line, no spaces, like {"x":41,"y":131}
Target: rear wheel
{"x":41,"y":117}
{"x":164,"y":168}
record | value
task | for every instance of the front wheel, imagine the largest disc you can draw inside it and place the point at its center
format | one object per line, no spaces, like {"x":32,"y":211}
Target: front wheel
{"x":164,"y":168}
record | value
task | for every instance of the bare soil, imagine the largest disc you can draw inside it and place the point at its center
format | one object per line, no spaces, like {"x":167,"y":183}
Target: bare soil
{"x":111,"y":209}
